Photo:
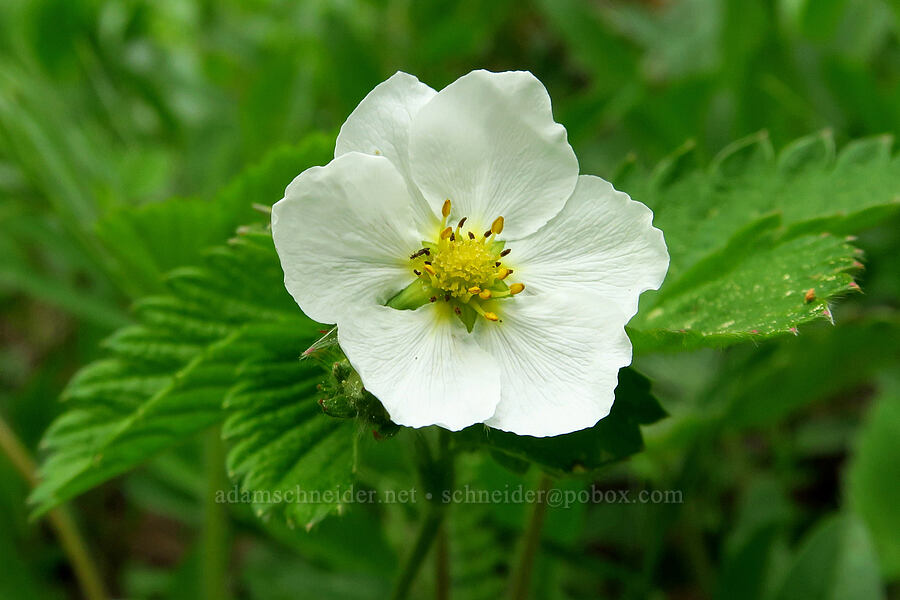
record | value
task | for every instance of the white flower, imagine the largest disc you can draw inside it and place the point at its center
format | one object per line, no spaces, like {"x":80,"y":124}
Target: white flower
{"x":423,"y":187}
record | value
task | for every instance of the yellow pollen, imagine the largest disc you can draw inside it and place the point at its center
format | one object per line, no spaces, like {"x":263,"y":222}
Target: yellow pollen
{"x":463,"y":269}
{"x":461,"y":264}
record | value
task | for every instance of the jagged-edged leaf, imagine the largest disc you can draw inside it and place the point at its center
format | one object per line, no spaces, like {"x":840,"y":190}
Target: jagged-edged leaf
{"x":613,"y":438}
{"x":743,"y":235}
{"x":168,"y":375}
{"x":760,"y":286}
{"x":290,"y":458}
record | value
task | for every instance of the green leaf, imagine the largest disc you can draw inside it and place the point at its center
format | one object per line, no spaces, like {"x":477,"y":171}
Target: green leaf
{"x":743,"y":236}
{"x":873,"y":487}
{"x":771,"y":286}
{"x":835,"y":561}
{"x":613,"y":438}
{"x":155,"y":238}
{"x":168,"y":376}
{"x":290,"y":458}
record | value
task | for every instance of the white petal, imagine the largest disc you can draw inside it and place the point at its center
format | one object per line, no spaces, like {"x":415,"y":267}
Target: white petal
{"x":344,"y":233}
{"x":602,"y":241}
{"x":422,"y":365}
{"x":559,"y":358}
{"x":380,"y":125}
{"x":489,"y":143}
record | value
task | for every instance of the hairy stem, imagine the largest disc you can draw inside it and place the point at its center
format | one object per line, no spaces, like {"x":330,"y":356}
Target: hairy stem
{"x":521,"y":575}
{"x":214,"y":542}
{"x":61,"y":522}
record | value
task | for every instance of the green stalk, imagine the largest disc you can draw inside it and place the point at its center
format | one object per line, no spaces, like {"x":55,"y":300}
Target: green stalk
{"x":431,"y":470}
{"x":442,"y":565}
{"x":214,"y":543}
{"x":521,"y":576}
{"x":428,"y":530}
{"x":61,"y":521}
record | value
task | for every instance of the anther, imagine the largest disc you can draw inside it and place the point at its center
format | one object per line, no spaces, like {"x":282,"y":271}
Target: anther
{"x":433,"y":299}
{"x":516,"y":288}
{"x":484,"y":294}
{"x":417,"y":272}
{"x":446,"y":233}
{"x":446,"y":297}
{"x":474,"y":290}
{"x":503,"y":273}
{"x":418,"y":253}
{"x":461,"y":222}
{"x":452,"y":237}
{"x":505,"y":252}
{"x":445,"y":210}
{"x":428,"y":269}
{"x":497,"y":226}
{"x":471,"y":236}
{"x":491,"y":316}
{"x":487,"y":233}
{"x":497,"y":264}
{"x":427,"y":262}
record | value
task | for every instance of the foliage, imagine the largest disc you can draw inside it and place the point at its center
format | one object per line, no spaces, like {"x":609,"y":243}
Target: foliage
{"x":121,"y":124}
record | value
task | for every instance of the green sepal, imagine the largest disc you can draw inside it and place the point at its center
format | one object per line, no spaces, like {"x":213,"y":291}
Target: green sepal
{"x":468,"y":316}
{"x":344,"y":397}
{"x":412,"y":296}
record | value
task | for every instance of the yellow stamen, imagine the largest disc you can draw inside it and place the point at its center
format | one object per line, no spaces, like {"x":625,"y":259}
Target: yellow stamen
{"x":516,"y":288}
{"x":474,"y":290}
{"x":446,"y":233}
{"x":485,"y":294}
{"x":497,"y":226}
{"x":491,"y":316}
{"x":445,"y":210}
{"x":428,"y":269}
{"x":503,"y":273}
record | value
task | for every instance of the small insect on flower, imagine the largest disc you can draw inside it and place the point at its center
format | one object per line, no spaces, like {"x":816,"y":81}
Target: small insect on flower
{"x":474,"y":276}
{"x":809,"y":296}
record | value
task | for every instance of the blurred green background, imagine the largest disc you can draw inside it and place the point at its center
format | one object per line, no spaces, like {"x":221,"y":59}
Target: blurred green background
{"x":786,"y":452}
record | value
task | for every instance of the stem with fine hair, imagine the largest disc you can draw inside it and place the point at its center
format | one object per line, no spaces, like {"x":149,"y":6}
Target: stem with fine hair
{"x":61,"y":522}
{"x":521,"y":576}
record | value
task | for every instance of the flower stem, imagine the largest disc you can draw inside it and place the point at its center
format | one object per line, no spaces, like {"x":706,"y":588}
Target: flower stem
{"x":214,"y":542}
{"x":442,"y":565}
{"x":427,"y":532}
{"x":62,"y":523}
{"x":431,"y":470}
{"x":521,"y":575}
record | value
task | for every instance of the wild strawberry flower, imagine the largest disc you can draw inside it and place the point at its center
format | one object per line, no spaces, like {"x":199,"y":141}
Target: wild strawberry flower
{"x":473,"y":275}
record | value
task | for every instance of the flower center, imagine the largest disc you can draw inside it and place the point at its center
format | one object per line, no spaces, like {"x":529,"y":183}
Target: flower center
{"x":465,"y":269}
